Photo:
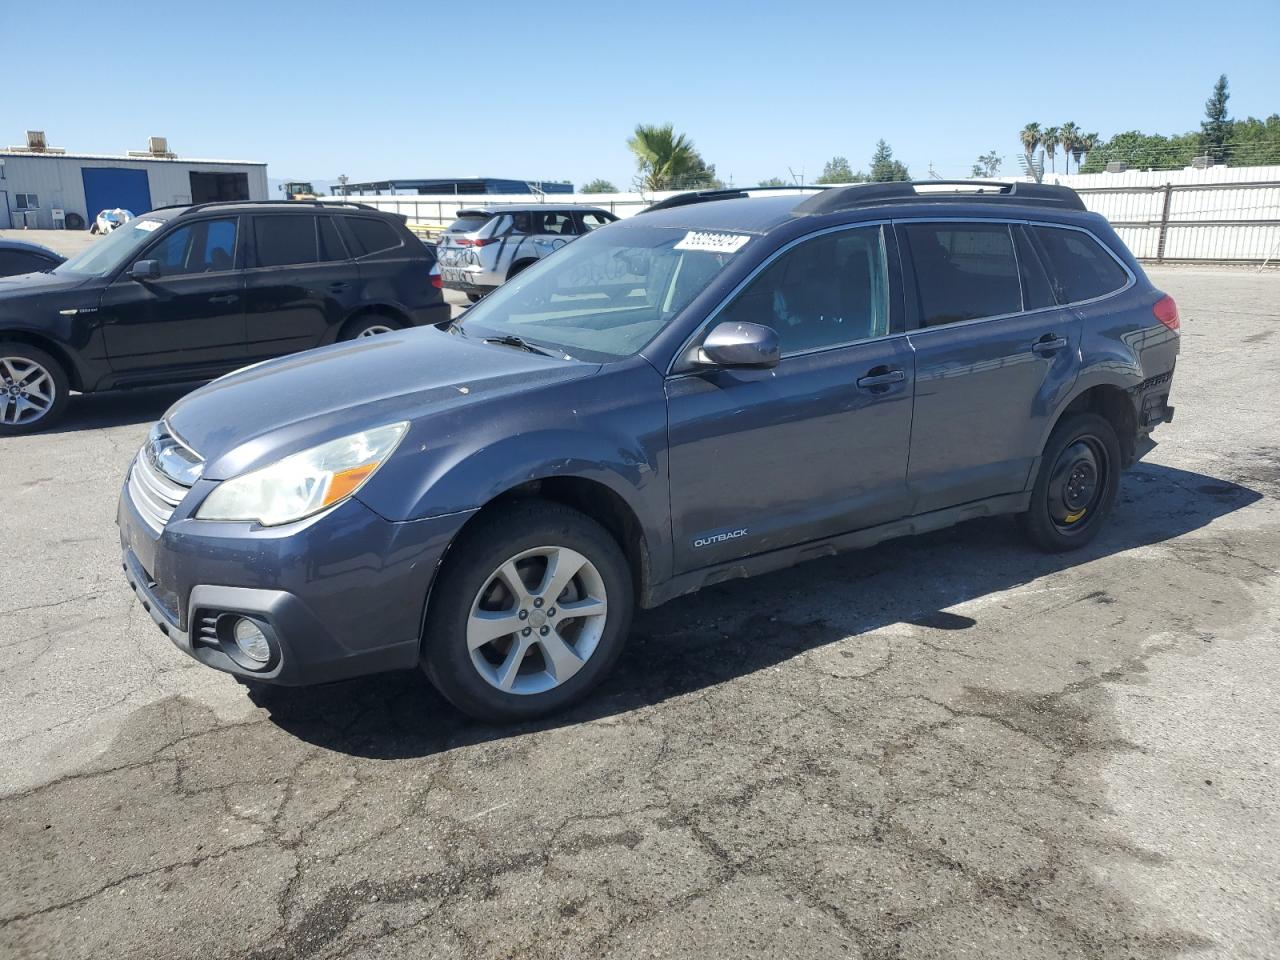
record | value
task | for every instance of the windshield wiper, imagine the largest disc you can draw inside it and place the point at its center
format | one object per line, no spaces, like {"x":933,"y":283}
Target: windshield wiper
{"x":511,"y":340}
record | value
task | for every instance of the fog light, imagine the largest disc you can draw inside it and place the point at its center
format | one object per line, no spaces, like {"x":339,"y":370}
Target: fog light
{"x":251,"y":640}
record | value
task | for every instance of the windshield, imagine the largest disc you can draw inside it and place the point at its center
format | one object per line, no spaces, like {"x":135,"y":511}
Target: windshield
{"x":103,"y":256}
{"x":605,"y":296}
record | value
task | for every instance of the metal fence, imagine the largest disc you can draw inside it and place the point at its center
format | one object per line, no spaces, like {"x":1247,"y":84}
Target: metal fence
{"x":1220,"y":215}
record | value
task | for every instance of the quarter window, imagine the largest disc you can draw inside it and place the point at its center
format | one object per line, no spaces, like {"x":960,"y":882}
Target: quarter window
{"x":372,"y":236}
{"x":331,"y":247}
{"x":284,"y":241}
{"x":1079,"y":267}
{"x":964,"y":271}
{"x":207,"y":246}
{"x":826,"y":292}
{"x":1036,"y":291}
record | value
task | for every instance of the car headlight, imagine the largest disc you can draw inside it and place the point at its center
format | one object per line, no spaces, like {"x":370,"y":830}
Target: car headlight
{"x":304,"y":483}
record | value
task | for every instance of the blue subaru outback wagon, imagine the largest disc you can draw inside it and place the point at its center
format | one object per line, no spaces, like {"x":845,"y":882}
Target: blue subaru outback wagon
{"x":719,"y":387}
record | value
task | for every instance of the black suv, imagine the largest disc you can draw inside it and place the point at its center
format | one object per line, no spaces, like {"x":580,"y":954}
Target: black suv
{"x":711,"y":390}
{"x":191,"y":292}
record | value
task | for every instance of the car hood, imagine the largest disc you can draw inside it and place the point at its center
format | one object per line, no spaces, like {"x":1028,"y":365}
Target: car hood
{"x":29,"y":284}
{"x":272,"y":409}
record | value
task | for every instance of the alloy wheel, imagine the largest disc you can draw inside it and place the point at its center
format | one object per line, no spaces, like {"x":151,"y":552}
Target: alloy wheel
{"x":374,"y":330}
{"x":537,"y":620}
{"x":27,"y":391}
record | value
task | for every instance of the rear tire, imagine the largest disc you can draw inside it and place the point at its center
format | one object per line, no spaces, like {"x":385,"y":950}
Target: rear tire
{"x":569,"y":613}
{"x":369,"y":325}
{"x":519,"y":267}
{"x":1076,"y":486}
{"x":33,"y":389}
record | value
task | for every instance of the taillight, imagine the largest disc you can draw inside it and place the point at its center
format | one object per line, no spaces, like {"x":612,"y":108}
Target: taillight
{"x":437,"y":281}
{"x":477,"y":242}
{"x":1166,"y":311}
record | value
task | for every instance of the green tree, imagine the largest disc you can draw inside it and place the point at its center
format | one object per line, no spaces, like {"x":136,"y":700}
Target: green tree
{"x":1253,"y":141}
{"x":1049,"y":140}
{"x":1029,"y":137}
{"x":988,"y":166}
{"x":599,"y":186}
{"x":884,"y":167}
{"x":1144,"y":151}
{"x":1069,"y":139}
{"x":773,"y":182}
{"x":1216,"y":128}
{"x":665,"y":159}
{"x":836,"y":170}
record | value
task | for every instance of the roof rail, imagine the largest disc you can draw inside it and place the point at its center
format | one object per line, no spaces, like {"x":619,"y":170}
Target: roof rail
{"x":193,"y":207}
{"x":697,"y":196}
{"x":905,"y":191}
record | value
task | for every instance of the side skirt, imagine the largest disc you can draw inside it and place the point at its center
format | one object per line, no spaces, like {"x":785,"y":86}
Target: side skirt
{"x":790,"y":556}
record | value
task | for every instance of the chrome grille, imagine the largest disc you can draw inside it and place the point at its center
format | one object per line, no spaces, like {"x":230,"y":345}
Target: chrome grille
{"x":154,"y":494}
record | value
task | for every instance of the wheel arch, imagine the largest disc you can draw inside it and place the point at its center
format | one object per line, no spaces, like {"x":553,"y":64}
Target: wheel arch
{"x":75,"y":376}
{"x":522,"y":263}
{"x":390,"y":310}
{"x":1114,"y":403}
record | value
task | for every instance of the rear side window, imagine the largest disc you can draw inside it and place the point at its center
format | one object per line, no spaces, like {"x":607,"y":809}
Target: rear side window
{"x":1079,"y":268}
{"x":285,"y":240}
{"x":964,"y":271}
{"x":371,"y":235}
{"x":554,"y":223}
{"x":331,"y":247}
{"x":591,"y":221}
{"x":1036,"y":291}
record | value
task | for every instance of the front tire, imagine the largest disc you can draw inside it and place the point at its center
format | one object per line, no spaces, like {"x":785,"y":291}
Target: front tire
{"x":33,"y":389}
{"x":1076,"y":486}
{"x":530,"y":612}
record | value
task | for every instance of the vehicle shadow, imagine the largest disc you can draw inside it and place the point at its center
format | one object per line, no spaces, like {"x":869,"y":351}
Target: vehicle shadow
{"x":118,"y":408}
{"x":738,"y":628}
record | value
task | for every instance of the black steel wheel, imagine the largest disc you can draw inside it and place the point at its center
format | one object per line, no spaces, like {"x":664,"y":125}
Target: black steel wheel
{"x":1077,"y":484}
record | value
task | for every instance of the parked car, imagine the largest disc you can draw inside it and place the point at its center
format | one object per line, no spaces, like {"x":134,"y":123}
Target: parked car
{"x":18,"y":257}
{"x":709,"y":390}
{"x":487,"y":246}
{"x":191,"y":292}
{"x":108,"y":220}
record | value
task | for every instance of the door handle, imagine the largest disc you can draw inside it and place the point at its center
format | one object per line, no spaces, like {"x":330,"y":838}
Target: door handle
{"x":880,"y":379}
{"x":1048,"y":344}
{"x":225,"y":298}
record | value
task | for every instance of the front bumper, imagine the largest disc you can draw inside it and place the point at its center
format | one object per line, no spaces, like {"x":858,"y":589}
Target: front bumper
{"x":340,"y":595}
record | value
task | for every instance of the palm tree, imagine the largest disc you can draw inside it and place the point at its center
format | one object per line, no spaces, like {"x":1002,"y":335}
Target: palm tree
{"x":1069,"y":139}
{"x":1049,"y":140}
{"x":1086,"y":143}
{"x":662,"y":156}
{"x":1030,"y":139}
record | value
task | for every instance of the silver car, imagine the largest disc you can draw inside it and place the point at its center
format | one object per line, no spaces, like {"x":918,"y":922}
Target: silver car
{"x":487,"y":246}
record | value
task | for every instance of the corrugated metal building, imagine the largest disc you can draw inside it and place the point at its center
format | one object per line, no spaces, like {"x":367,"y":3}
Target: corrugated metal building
{"x":40,"y":186}
{"x":458,"y":186}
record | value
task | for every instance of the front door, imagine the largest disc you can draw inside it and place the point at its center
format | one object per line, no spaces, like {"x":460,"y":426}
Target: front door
{"x":995,"y":356}
{"x":763,"y":459}
{"x":189,"y":319}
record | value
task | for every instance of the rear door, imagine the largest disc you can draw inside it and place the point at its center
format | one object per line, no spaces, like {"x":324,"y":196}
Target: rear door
{"x":994,"y":353}
{"x":192,"y":315}
{"x":763,"y":459}
{"x":300,"y":284}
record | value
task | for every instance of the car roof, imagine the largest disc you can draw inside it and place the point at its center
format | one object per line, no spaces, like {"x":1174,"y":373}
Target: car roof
{"x":269,"y":206}
{"x":740,"y":214}
{"x":26,"y":247}
{"x":500,"y":208}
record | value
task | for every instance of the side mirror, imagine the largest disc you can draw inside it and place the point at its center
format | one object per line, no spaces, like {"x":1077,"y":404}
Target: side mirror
{"x":145,"y":270}
{"x":733,"y":344}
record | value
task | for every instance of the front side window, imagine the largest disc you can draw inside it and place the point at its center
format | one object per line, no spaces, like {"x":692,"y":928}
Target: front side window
{"x":827,"y":292}
{"x":207,"y":246}
{"x":603,"y":297}
{"x":963,"y":271}
{"x":284,"y":241}
{"x":1079,"y":268}
{"x":14,"y":262}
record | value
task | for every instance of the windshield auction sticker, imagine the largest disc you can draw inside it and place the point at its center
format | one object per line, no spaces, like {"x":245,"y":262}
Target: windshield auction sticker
{"x":712,"y":242}
{"x":148,"y":225}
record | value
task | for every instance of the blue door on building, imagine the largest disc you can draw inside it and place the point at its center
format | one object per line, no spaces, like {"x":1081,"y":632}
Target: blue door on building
{"x":106,"y":188}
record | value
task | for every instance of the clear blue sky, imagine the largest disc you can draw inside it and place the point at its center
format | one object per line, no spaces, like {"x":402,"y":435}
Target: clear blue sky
{"x":553,"y":90}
